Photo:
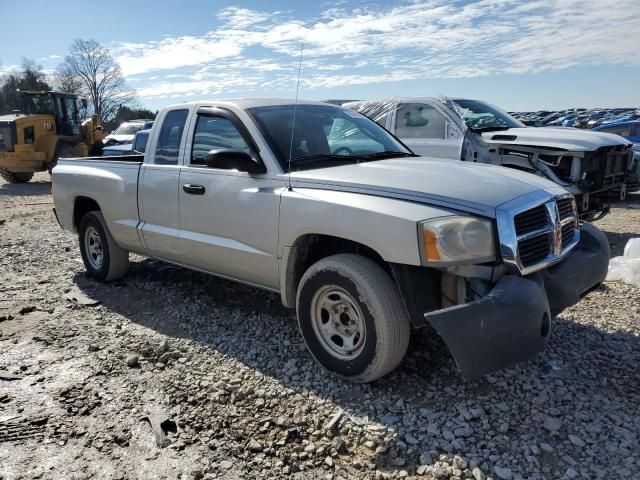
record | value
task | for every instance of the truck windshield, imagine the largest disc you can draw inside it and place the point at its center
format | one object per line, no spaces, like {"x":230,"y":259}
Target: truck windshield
{"x":128,"y":129}
{"x":325,"y":135}
{"x":483,"y":117}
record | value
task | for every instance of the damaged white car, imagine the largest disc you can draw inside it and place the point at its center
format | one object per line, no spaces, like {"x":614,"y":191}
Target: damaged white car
{"x":591,"y":165}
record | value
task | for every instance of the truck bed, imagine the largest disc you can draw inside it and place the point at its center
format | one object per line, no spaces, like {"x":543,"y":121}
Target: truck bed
{"x":111,"y":182}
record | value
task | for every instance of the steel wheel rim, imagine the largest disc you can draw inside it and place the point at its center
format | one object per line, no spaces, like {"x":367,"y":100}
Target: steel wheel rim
{"x":93,"y":248}
{"x":338,"y":322}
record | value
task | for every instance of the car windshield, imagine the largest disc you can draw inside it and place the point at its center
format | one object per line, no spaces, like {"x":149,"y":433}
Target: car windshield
{"x":325,"y":135}
{"x":482,"y":117}
{"x":128,"y":129}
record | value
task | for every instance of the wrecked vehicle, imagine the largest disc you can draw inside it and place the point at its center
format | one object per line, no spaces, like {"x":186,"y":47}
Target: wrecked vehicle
{"x":365,"y":239}
{"x":591,"y":165}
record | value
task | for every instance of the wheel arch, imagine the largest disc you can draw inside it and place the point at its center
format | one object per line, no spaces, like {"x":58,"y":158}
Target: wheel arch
{"x":419,"y":287}
{"x":307,"y":250}
{"x":81,"y":206}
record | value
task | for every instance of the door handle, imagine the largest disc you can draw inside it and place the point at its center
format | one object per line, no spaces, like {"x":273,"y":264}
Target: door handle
{"x":193,"y":189}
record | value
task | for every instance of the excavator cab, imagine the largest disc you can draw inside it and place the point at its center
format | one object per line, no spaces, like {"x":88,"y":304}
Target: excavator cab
{"x":62,"y":106}
{"x":47,"y":127}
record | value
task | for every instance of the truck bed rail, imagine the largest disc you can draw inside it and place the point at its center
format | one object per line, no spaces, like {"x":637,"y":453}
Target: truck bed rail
{"x":109,"y":158}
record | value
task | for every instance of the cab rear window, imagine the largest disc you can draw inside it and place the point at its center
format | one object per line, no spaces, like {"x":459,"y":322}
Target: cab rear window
{"x":168,"y":146}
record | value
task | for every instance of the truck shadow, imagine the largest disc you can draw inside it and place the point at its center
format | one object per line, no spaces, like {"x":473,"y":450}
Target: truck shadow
{"x":29,"y":189}
{"x":252,"y":327}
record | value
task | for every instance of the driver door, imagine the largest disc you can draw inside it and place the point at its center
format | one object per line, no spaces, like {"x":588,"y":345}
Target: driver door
{"x":228,"y":219}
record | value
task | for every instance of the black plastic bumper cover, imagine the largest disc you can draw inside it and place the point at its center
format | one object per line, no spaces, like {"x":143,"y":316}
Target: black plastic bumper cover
{"x":512,"y":323}
{"x":586,"y":268}
{"x":501,"y":329}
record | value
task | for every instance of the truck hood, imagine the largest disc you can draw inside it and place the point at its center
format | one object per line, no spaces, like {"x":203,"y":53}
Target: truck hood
{"x":570,"y":139}
{"x":119,"y":138}
{"x":470,"y":187}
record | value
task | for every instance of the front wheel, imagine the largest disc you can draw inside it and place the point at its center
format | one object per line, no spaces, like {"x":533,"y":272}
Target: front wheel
{"x":352,"y":318}
{"x":102,"y":257}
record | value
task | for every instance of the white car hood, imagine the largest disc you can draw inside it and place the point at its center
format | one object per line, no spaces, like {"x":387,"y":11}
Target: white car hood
{"x":472,"y":187}
{"x":120,"y":138}
{"x":557,"y":138}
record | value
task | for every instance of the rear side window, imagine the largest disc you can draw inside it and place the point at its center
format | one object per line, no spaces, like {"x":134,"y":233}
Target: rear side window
{"x":416,"y":120}
{"x":215,"y":133}
{"x":168,"y":146}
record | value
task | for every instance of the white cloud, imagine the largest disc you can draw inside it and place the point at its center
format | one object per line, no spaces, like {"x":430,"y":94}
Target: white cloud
{"x":237,"y":17}
{"x":7,"y":69}
{"x":419,"y":39}
{"x":169,"y":53}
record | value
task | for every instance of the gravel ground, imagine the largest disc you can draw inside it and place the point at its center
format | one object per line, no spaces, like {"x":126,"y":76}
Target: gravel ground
{"x":224,"y":365}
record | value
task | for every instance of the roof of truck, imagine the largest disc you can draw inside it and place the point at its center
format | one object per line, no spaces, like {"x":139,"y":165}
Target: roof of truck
{"x":246,"y":102}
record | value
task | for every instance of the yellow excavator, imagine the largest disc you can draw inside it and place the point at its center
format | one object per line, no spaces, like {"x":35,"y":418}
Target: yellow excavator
{"x":47,"y":127}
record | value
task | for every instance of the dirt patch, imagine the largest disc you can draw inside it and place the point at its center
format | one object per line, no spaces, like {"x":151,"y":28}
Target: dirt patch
{"x":225,"y":363}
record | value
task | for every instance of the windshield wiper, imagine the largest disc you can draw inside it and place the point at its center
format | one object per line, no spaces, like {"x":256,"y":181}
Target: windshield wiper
{"x":327,"y":156}
{"x":389,"y":154}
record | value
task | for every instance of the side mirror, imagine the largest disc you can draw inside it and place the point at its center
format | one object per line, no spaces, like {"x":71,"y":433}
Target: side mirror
{"x":229,"y":159}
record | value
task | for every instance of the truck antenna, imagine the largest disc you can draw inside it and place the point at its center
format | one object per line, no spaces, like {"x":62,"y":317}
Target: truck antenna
{"x":293,"y":123}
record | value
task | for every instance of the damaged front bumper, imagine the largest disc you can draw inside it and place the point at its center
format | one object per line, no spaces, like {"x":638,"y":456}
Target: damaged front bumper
{"x":513,"y":321}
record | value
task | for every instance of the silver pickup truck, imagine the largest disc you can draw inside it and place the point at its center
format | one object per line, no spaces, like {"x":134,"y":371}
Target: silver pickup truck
{"x":364,"y":238}
{"x":591,"y":165}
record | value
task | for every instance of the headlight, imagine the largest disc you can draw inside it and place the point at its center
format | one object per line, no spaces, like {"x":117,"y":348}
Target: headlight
{"x":456,"y":239}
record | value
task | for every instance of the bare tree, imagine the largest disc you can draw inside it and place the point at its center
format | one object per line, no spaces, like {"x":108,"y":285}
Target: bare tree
{"x":29,"y":77}
{"x":90,"y":70}
{"x":66,"y":82}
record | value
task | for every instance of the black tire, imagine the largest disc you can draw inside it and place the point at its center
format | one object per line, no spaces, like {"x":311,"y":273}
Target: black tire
{"x":13,"y":177}
{"x":63,"y":150}
{"x":358,"y":287}
{"x":102,"y":257}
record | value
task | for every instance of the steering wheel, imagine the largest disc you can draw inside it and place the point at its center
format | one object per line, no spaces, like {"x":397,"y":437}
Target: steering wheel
{"x":347,"y":151}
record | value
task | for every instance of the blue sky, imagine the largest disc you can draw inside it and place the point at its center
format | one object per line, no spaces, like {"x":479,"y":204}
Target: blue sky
{"x":520,"y":55}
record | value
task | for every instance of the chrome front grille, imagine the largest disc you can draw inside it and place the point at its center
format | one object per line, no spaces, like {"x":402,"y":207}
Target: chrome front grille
{"x":537,"y":230}
{"x":531,"y":220}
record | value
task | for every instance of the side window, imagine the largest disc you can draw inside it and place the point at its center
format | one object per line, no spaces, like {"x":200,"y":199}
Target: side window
{"x":622,"y":130}
{"x":635,"y":130}
{"x":71,"y":110}
{"x":414,"y":120}
{"x":213,"y":133}
{"x":29,"y":135}
{"x":140,"y":142}
{"x":168,"y":146}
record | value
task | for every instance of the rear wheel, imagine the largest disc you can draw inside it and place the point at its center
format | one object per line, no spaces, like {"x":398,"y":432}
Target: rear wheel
{"x":352,"y":318}
{"x":13,"y":177}
{"x":102,"y":257}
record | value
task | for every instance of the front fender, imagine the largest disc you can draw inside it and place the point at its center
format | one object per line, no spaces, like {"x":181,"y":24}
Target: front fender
{"x":387,"y":226}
